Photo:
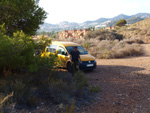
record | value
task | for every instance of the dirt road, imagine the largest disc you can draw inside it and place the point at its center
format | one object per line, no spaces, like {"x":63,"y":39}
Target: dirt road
{"x":124,"y":83}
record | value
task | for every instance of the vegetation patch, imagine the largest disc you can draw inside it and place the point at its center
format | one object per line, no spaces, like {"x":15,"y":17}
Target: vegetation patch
{"x":103,"y":35}
{"x":139,"y":30}
{"x":106,"y":49}
{"x":33,"y":78}
{"x":94,"y":89}
{"x":30,"y":90}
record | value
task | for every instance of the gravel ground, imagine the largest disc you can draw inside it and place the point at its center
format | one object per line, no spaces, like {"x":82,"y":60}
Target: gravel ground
{"x":124,"y":83}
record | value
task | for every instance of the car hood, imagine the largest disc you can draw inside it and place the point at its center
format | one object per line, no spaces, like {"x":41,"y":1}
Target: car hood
{"x":87,"y":57}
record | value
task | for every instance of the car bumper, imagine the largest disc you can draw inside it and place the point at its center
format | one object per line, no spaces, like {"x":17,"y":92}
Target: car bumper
{"x":87,"y":66}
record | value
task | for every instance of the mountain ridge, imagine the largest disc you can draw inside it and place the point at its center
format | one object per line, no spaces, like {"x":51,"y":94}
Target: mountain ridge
{"x":102,"y":22}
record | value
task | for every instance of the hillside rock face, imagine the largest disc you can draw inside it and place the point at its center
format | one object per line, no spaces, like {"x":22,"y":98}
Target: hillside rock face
{"x":139,"y":30}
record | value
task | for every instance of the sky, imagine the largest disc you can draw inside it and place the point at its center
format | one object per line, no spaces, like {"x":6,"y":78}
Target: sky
{"x":83,"y":10}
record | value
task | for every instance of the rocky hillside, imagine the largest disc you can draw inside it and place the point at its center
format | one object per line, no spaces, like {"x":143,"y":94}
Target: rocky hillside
{"x":139,"y":29}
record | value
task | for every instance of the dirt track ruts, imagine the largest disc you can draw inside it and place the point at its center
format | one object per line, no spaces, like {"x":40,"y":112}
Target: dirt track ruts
{"x":124,"y":83}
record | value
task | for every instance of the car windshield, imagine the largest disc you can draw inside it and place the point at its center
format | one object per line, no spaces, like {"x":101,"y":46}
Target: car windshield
{"x":80,"y":49}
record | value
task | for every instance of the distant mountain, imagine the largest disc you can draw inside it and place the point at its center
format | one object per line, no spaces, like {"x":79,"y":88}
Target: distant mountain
{"x":121,"y":16}
{"x":116,"y":18}
{"x":65,"y":23}
{"x":134,"y":20}
{"x":101,"y":22}
{"x":142,"y":15}
{"x":130,"y":19}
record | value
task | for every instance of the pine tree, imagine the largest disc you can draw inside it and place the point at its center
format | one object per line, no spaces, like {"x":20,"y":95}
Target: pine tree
{"x":23,"y":15}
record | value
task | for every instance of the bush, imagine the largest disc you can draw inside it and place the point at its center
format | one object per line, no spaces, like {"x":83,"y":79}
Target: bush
{"x":94,"y":89}
{"x":103,"y":35}
{"x":17,"y":53}
{"x":106,"y":49}
{"x":114,"y":49}
{"x":121,"y":22}
{"x":133,"y":40}
{"x":127,"y":50}
{"x":80,"y":82}
{"x":86,"y":45}
{"x":22,"y":94}
{"x":31,"y":76}
{"x":21,"y":66}
{"x":60,"y":87}
{"x":70,"y":109}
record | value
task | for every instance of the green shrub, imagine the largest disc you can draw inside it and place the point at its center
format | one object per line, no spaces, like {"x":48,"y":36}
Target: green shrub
{"x":18,"y":53}
{"x":86,"y":45}
{"x":22,"y":67}
{"x":70,"y":109}
{"x":80,"y":82}
{"x":61,"y":87}
{"x":22,"y":91}
{"x":41,"y":44}
{"x":117,"y":28}
{"x":94,"y":89}
{"x":121,"y":22}
{"x":21,"y":88}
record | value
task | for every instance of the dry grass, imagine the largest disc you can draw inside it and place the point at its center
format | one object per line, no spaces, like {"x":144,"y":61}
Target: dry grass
{"x":107,"y":49}
{"x":122,"y":43}
{"x":138,"y":30}
{"x":114,"y":49}
{"x":103,"y":35}
{"x":133,"y":40}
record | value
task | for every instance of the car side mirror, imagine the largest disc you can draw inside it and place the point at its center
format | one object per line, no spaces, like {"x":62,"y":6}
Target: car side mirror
{"x":64,"y":53}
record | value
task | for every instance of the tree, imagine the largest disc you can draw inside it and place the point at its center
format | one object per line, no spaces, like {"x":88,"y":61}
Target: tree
{"x":91,"y":28}
{"x":21,"y":52}
{"x":121,"y":22}
{"x":23,"y":15}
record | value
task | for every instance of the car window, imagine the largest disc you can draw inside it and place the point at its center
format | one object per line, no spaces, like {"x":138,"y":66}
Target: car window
{"x":80,"y":49}
{"x":61,"y":49}
{"x":52,"y":48}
